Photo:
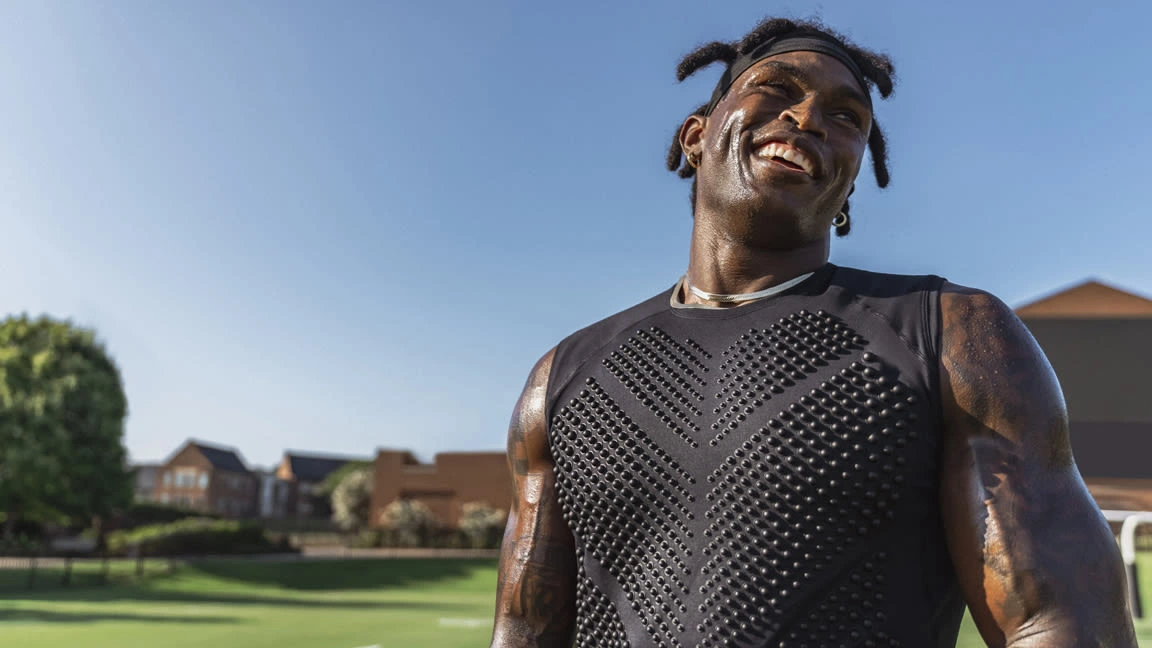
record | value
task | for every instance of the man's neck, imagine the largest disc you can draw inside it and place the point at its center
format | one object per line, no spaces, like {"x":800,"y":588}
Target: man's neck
{"x":721,"y":264}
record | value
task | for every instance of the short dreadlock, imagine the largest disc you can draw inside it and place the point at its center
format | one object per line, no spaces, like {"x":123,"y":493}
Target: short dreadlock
{"x":877,"y":70}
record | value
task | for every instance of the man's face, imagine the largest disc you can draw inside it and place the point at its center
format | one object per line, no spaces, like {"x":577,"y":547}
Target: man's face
{"x":780,"y":152}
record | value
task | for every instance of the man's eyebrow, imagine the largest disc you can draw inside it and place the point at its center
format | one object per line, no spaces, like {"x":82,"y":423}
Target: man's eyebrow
{"x":849,"y":91}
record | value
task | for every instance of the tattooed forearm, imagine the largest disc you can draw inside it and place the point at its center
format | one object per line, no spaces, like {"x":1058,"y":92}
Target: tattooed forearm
{"x":536,"y":592}
{"x":1036,"y":560}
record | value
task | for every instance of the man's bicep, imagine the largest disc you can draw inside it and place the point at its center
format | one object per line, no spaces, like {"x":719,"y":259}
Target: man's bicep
{"x":1033,"y":555}
{"x":536,"y":594}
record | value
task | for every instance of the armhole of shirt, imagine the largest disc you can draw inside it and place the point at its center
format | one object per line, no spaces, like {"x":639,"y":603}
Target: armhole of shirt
{"x":550,"y":396}
{"x":933,"y":323}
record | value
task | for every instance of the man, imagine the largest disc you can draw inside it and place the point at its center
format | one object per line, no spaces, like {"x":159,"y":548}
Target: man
{"x":782,"y":452}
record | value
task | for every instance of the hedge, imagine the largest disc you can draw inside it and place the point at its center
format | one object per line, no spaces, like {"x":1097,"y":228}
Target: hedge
{"x":146,"y":513}
{"x":194,"y":536}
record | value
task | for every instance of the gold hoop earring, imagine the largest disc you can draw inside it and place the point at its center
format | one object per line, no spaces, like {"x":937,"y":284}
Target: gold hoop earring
{"x":841,"y":220}
{"x":694,"y":160}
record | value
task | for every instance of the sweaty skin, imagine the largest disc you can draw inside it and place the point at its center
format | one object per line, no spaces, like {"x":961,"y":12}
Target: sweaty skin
{"x":536,"y":594}
{"x":1036,"y":560}
{"x":1034,"y":557}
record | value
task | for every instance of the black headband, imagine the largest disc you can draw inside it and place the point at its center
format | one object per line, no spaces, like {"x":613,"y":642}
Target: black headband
{"x":807,"y":42}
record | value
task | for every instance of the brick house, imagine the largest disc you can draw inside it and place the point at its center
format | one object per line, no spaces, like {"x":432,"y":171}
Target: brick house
{"x":305,"y":473}
{"x":1097,"y":339}
{"x":445,"y":485}
{"x":275,"y":495}
{"x":207,"y":478}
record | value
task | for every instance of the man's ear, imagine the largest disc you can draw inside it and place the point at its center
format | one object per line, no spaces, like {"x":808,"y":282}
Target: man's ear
{"x":692,"y":135}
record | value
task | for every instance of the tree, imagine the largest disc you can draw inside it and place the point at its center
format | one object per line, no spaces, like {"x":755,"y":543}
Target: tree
{"x":352,"y":499}
{"x":411,"y":522}
{"x":333,"y":480}
{"x":482,"y":524}
{"x":62,"y":410}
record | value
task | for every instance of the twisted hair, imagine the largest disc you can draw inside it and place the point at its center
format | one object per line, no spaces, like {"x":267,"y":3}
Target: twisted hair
{"x":877,"y":69}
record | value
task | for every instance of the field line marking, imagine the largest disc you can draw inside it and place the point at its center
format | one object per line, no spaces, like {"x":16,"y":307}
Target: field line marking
{"x":464,"y":623}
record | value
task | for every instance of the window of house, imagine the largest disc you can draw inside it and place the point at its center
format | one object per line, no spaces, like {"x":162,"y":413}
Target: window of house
{"x":203,"y":480}
{"x":167,"y":479}
{"x":186,"y":478}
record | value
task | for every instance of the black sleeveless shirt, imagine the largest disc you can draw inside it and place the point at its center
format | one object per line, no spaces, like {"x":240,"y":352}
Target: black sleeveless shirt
{"x":758,"y":476}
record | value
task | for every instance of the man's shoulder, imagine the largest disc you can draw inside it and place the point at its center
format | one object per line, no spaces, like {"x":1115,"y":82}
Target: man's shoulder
{"x":884,"y":284}
{"x":890,"y":284}
{"x":968,"y":308}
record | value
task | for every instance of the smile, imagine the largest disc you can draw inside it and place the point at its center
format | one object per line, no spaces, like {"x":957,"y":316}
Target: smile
{"x":787,"y":156}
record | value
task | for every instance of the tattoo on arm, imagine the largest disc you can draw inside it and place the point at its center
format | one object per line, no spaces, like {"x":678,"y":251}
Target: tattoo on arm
{"x":1034,"y":557}
{"x":536,"y":592}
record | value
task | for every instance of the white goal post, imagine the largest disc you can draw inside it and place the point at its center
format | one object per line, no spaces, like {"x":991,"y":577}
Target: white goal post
{"x":1129,"y":521}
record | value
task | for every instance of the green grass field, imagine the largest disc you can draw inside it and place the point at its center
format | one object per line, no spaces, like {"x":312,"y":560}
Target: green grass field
{"x":436,"y":603}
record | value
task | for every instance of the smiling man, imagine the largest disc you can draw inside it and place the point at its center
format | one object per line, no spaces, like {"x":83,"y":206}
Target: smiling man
{"x":778,"y":451}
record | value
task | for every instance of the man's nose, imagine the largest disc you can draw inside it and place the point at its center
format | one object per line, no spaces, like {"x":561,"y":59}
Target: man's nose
{"x":806,"y":118}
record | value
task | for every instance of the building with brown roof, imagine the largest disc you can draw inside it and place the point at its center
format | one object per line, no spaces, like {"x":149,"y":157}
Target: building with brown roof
{"x":445,"y":485}
{"x":1097,"y":338}
{"x":207,"y":478}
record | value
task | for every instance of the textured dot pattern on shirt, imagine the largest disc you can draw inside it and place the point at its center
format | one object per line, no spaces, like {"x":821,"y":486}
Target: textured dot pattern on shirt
{"x":732,"y":491}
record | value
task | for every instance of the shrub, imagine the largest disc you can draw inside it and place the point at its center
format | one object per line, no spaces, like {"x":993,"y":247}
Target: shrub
{"x":146,"y":513}
{"x":194,"y":536}
{"x":368,"y":539}
{"x":352,"y":500}
{"x":482,"y":525}
{"x":409,"y":523}
{"x":21,"y":545}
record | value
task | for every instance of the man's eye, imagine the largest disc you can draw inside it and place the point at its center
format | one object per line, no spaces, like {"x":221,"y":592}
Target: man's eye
{"x":850,"y":117}
{"x":778,"y":86}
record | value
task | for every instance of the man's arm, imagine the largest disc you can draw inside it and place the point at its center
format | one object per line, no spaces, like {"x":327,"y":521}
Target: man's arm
{"x":1035,"y":559}
{"x":536,"y":596}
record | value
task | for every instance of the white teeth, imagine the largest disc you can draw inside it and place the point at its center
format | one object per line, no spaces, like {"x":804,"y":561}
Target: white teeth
{"x":777,"y":149}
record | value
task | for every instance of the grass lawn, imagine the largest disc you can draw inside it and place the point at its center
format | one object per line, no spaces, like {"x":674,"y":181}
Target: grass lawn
{"x":326,"y":604}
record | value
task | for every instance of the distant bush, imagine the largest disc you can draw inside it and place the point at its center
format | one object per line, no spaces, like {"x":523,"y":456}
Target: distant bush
{"x":409,"y":523}
{"x":195,"y":536}
{"x":352,"y":499}
{"x":148,"y":513}
{"x":21,"y":545}
{"x":368,"y":539}
{"x":482,"y":525}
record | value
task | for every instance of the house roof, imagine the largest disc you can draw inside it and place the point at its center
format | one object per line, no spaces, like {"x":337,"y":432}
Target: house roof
{"x":315,"y":468}
{"x":1090,"y":299}
{"x":222,"y":458}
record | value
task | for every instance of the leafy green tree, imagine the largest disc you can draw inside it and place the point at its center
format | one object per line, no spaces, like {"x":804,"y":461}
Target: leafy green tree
{"x":333,"y":480}
{"x":352,"y":499}
{"x":62,"y":410}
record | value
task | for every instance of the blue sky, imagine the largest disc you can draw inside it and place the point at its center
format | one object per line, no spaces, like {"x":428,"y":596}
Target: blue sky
{"x":343,"y":226}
